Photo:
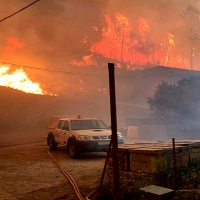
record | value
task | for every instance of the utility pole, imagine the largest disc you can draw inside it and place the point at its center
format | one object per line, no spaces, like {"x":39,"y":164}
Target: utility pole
{"x":114,"y":131}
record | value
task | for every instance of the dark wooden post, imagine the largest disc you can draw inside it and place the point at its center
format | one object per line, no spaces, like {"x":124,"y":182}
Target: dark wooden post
{"x":174,"y":162}
{"x":114,"y":131}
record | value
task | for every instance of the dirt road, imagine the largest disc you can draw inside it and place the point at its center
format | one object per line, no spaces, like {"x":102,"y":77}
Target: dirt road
{"x":27,"y":172}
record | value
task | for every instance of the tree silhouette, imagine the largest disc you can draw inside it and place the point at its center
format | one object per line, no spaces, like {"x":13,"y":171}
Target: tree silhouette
{"x":178,"y":104}
{"x":191,"y":17}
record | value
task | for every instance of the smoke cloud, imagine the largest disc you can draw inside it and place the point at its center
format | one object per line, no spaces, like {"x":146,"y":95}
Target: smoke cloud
{"x":52,"y":31}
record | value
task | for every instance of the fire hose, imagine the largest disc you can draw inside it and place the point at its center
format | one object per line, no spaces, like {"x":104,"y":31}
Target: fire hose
{"x":71,"y":180}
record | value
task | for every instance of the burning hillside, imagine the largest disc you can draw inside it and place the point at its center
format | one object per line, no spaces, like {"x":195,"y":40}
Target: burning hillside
{"x":19,"y":80}
{"x":133,"y":46}
{"x":64,"y":36}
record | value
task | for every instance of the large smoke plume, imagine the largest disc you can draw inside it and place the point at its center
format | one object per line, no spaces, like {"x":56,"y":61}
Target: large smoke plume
{"x":52,"y":30}
{"x":49,"y":33}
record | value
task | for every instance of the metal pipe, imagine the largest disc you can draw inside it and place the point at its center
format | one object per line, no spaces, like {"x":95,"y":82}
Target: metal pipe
{"x":114,"y":131}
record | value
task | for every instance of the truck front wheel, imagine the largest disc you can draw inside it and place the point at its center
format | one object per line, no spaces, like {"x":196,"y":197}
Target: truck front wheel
{"x":51,"y":143}
{"x":72,"y":150}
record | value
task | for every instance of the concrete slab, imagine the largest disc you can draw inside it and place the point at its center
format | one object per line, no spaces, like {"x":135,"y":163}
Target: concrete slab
{"x":157,"y":192}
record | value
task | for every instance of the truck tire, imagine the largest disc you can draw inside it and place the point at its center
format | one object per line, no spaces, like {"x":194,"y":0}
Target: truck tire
{"x":51,"y":143}
{"x":72,"y":150}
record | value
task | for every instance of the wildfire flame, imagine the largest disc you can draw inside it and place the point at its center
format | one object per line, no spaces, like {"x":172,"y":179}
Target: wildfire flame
{"x":19,"y":80}
{"x":170,"y":48}
{"x":86,"y":60}
{"x":116,"y":42}
{"x":143,"y":27}
{"x":124,"y":44}
{"x":171,"y":39}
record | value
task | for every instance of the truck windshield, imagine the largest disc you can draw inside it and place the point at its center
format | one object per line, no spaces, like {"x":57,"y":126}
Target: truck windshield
{"x":87,"y":124}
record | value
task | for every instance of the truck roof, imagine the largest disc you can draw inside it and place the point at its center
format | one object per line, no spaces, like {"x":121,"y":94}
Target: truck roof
{"x":54,"y":120}
{"x":71,"y":117}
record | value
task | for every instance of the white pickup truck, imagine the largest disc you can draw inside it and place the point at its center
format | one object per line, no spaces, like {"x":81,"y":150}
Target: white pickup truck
{"x":80,"y":135}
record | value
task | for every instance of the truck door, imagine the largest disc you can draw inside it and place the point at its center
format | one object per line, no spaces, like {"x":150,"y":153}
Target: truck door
{"x":58,"y":132}
{"x":65,"y":130}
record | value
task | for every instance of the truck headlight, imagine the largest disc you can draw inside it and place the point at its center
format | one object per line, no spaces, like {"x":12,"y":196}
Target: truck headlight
{"x":120,"y":137}
{"x":83,"y":137}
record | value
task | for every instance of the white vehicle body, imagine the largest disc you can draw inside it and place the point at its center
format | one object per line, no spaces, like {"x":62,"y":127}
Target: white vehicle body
{"x":79,"y":135}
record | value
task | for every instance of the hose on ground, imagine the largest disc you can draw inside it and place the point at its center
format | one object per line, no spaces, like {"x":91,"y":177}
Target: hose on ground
{"x":71,"y":180}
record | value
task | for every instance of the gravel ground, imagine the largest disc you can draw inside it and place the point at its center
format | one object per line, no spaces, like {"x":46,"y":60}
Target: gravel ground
{"x":27,"y":173}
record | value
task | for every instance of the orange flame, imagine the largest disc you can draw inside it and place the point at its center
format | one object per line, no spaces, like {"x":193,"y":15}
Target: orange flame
{"x":171,"y":39}
{"x":116,"y":42}
{"x":171,"y":46}
{"x":143,"y":27}
{"x":19,"y":80}
{"x":121,"y":43}
{"x":86,"y":61}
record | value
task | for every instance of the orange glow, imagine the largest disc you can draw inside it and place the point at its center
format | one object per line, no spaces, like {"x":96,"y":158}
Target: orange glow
{"x":171,"y":46}
{"x":86,"y":61}
{"x":13,"y":44}
{"x":171,"y":39}
{"x":116,"y":42}
{"x":143,"y":27}
{"x":121,"y":42}
{"x":103,"y":90}
{"x":19,"y":80}
{"x":85,"y":39}
{"x":95,"y":28}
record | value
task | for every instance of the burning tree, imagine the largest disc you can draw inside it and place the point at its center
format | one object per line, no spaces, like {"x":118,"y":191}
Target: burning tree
{"x":132,"y":46}
{"x":178,"y":105}
{"x":192,"y":21}
{"x":118,"y":40}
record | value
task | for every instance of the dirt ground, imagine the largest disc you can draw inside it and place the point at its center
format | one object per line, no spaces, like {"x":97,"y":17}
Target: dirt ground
{"x":28,"y":173}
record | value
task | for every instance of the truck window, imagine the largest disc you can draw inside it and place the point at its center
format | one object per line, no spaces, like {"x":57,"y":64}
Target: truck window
{"x":66,"y":126}
{"x":60,"y":124}
{"x":88,"y":124}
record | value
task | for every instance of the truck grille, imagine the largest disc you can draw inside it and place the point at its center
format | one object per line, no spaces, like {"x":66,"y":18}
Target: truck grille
{"x":104,"y":137}
{"x":96,"y":137}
